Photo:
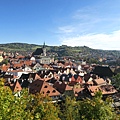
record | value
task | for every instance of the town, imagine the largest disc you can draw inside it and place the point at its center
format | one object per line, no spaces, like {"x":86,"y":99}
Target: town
{"x":59,"y":78}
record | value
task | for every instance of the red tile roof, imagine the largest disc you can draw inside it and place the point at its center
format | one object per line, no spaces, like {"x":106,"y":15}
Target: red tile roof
{"x":61,"y":87}
{"x":100,"y":81}
{"x":105,"y":89}
{"x":15,"y":87}
{"x":40,"y":86}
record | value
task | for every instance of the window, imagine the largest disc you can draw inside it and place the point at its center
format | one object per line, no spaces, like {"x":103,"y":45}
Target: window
{"x":45,"y":86}
{"x":54,"y":91}
{"x":48,"y":91}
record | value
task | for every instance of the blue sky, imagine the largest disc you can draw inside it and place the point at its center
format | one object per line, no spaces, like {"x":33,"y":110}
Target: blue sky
{"x":93,"y":23}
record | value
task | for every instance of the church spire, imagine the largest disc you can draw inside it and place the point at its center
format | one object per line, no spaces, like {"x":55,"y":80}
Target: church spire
{"x":44,"y":45}
{"x":44,"y":49}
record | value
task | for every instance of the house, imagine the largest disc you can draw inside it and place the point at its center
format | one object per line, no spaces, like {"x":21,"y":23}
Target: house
{"x":37,"y":67}
{"x":30,"y":76}
{"x":99,"y":82}
{"x":1,"y":58}
{"x":105,"y":89}
{"x":16,"y":88}
{"x":5,"y":67}
{"x":27,"y":69}
{"x":42,"y":87}
{"x":64,"y":89}
{"x":79,"y":93}
{"x":103,"y":71}
{"x":17,"y":73}
{"x":75,"y":79}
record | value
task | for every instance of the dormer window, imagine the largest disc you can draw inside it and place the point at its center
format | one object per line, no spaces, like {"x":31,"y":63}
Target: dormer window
{"x":48,"y":91}
{"x":54,"y":91}
{"x":46,"y":86}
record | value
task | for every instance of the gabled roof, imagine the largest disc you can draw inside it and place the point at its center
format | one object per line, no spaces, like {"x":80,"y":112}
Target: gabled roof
{"x":40,"y":86}
{"x":105,"y":89}
{"x":61,"y":87}
{"x":28,"y":62}
{"x":5,"y":67}
{"x":15,"y":87}
{"x":100,"y":81}
{"x":103,"y":71}
{"x":25,"y":84}
{"x":77,"y":91}
{"x":75,"y":79}
{"x":38,"y":51}
{"x":33,"y":76}
{"x":17,"y":65}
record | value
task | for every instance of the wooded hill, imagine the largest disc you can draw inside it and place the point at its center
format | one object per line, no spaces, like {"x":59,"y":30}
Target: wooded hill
{"x":63,"y":50}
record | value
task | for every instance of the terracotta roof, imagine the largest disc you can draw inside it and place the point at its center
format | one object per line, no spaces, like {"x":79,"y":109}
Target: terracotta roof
{"x":28,"y":62}
{"x":61,"y":65}
{"x":105,"y":89}
{"x":77,"y":91}
{"x":40,"y":86}
{"x":15,"y":87}
{"x":17,"y":65}
{"x":93,"y":89}
{"x":20,"y":57}
{"x":61,"y":87}
{"x":5,"y":67}
{"x":100,"y":81}
{"x":46,"y":66}
{"x":108,"y":89}
{"x":75,"y":79}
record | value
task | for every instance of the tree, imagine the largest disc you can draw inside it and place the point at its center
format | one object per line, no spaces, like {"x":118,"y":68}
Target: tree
{"x":25,"y":107}
{"x":96,"y":109}
{"x":11,"y":107}
{"x":42,"y":108}
{"x":116,"y":81}
{"x":5,"y":61}
{"x":69,"y":110}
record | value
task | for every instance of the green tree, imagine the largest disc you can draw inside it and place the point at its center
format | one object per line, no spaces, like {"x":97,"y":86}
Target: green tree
{"x":5,"y":61}
{"x":116,"y":81}
{"x":96,"y":109}
{"x":11,"y":107}
{"x":41,"y":108}
{"x":69,"y":110}
{"x":25,"y":107}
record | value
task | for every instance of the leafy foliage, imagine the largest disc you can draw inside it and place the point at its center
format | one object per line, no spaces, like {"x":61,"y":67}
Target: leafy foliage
{"x":26,"y":107}
{"x":37,"y":107}
{"x":69,"y":109}
{"x":116,"y":81}
{"x":96,"y":109}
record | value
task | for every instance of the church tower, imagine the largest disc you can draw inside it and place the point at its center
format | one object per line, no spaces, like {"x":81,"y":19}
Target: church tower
{"x":44,"y":49}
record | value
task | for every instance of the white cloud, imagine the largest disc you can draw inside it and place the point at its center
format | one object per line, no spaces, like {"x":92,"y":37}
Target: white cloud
{"x":66,"y":29}
{"x":96,"y":41}
{"x":90,"y":27}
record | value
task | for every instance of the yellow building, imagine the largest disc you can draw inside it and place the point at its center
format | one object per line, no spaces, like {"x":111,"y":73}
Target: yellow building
{"x":1,"y":58}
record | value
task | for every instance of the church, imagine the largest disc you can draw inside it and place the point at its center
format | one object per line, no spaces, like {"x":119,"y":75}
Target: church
{"x":41,"y":56}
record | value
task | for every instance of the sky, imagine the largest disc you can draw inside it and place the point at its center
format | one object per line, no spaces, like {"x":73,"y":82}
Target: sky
{"x":92,"y":23}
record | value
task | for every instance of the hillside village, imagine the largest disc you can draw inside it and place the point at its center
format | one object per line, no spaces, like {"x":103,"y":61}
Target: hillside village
{"x":40,"y":73}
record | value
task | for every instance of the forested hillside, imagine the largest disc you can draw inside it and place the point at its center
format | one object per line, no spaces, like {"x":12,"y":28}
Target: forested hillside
{"x":64,"y":50}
